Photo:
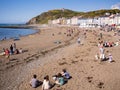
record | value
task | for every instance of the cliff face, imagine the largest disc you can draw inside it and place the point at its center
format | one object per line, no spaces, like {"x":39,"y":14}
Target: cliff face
{"x":32,"y":21}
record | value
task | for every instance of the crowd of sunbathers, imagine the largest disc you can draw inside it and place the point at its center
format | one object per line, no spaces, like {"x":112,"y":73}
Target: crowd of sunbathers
{"x":59,"y":79}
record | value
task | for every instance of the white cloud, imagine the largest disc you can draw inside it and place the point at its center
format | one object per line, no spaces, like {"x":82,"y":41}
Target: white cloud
{"x":116,"y":6}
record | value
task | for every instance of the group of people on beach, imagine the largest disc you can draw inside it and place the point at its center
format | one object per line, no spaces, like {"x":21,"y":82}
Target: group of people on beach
{"x":101,"y":55}
{"x":59,"y":79}
{"x":12,"y":50}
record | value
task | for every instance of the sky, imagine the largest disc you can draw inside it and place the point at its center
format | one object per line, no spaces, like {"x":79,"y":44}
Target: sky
{"x":21,"y":11}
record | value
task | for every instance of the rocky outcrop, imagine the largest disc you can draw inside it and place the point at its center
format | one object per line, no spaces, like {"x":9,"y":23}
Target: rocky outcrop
{"x":32,"y":21}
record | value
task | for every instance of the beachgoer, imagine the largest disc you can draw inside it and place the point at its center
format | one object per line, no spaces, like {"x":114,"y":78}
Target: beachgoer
{"x":11,"y":49}
{"x":110,"y":58}
{"x":20,"y":50}
{"x":65,"y":74}
{"x":34,"y":82}
{"x":16,"y":51}
{"x":14,"y":46}
{"x":60,"y":80}
{"x":7,"y":53}
{"x":97,"y":56}
{"x":101,"y":35}
{"x":101,"y":50}
{"x":102,"y":56}
{"x":46,"y":83}
{"x":78,"y":40}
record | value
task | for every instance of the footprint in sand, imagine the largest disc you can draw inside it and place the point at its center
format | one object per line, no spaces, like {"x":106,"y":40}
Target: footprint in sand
{"x":100,"y":85}
{"x":89,"y":79}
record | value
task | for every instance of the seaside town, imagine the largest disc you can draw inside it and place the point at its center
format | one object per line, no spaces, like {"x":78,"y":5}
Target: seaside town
{"x":65,"y":54}
{"x":106,"y":20}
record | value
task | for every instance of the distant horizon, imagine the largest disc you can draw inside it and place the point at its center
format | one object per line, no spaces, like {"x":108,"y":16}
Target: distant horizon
{"x":21,"y":11}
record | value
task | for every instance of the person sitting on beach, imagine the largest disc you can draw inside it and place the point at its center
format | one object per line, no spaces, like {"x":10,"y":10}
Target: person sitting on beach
{"x":65,"y":74}
{"x":60,"y":79}
{"x":16,"y":51}
{"x":34,"y":82}
{"x":97,"y":56}
{"x":20,"y":50}
{"x":46,"y":83}
{"x":110,"y":58}
{"x":7,"y":53}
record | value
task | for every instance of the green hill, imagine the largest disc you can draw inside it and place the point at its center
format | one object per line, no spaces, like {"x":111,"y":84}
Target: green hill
{"x":55,"y":14}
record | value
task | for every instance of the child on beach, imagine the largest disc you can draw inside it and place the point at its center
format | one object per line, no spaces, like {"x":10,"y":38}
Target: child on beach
{"x":97,"y":56}
{"x":110,"y":58}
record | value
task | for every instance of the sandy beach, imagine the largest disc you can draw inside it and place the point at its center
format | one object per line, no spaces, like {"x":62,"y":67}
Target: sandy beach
{"x":51,"y":50}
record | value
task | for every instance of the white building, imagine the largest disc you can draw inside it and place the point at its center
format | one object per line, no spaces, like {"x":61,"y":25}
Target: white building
{"x":68,"y":21}
{"x":56,"y":21}
{"x":74,"y":20}
{"x":89,"y":22}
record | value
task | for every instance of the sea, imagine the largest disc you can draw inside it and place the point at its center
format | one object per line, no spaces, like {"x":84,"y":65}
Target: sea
{"x":8,"y":33}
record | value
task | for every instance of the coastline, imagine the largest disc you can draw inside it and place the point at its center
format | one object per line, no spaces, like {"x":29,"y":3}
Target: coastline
{"x":20,"y":27}
{"x":46,"y":57}
{"x":36,"y":36}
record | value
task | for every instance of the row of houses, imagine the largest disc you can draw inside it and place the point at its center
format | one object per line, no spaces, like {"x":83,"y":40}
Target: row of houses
{"x":88,"y":22}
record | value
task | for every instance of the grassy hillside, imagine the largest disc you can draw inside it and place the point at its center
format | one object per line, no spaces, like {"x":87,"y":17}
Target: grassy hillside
{"x":55,"y":14}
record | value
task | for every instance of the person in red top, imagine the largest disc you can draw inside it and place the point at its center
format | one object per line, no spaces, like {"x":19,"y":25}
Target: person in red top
{"x":7,"y":53}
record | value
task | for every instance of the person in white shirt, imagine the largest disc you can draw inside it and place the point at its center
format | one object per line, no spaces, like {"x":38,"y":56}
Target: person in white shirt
{"x":110,"y":58}
{"x":46,"y":83}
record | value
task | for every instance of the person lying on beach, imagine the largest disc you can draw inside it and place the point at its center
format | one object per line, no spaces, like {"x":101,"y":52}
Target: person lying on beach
{"x":34,"y":82}
{"x":46,"y":83}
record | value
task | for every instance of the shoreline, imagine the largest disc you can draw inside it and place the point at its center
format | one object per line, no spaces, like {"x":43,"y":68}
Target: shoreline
{"x":31,"y":52}
{"x":29,"y":28}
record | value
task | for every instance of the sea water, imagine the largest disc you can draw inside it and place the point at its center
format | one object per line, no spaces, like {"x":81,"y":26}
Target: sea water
{"x":8,"y":33}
